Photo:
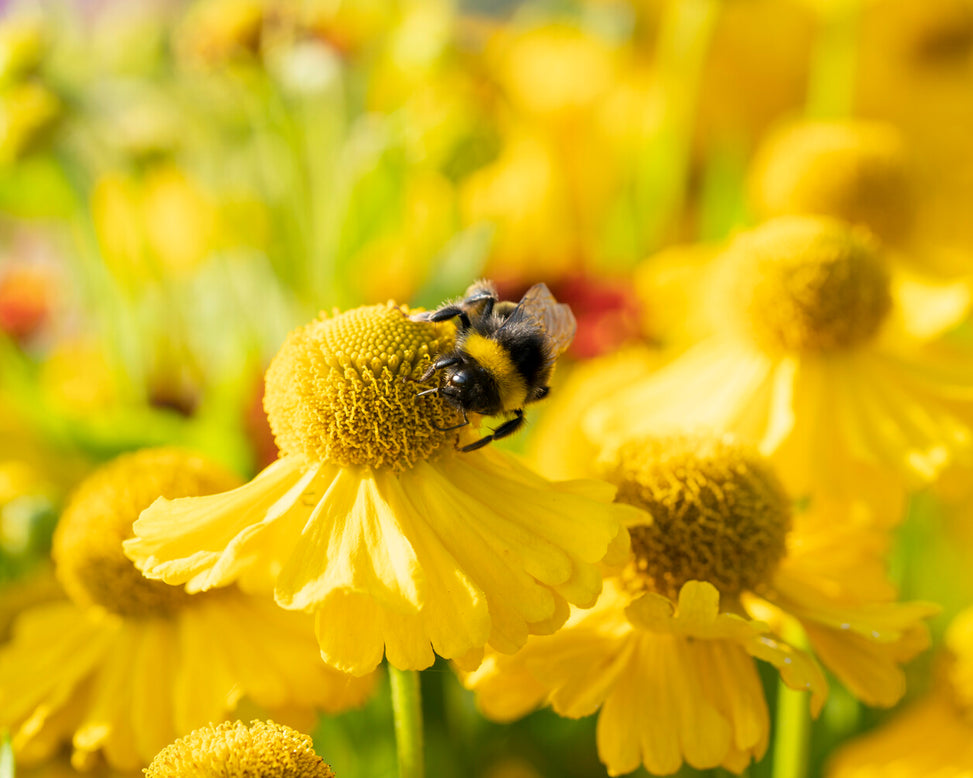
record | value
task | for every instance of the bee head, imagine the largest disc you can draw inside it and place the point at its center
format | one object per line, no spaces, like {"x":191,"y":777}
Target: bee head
{"x":469,"y":385}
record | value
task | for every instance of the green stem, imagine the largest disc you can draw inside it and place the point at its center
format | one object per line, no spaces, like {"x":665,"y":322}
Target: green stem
{"x":407,"y":709}
{"x":834,"y":63}
{"x":792,"y":731}
{"x":682,"y":46}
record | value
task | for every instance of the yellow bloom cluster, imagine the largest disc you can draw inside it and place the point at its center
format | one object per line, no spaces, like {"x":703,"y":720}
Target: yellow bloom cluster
{"x":703,"y":426}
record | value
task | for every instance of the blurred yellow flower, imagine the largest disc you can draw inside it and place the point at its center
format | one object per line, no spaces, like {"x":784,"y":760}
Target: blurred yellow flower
{"x":523,"y":192}
{"x":756,"y":71}
{"x":801,"y":369}
{"x":557,"y":446}
{"x":237,"y":750}
{"x":933,"y":737}
{"x":128,"y":664}
{"x":372,"y":521}
{"x":720,"y":570}
{"x":856,"y":171}
{"x":549,"y":190}
{"x":27,"y":111}
{"x":214,"y":32}
{"x":915,"y":70}
{"x":22,"y":45}
{"x":862,"y":173}
{"x":157,"y":225}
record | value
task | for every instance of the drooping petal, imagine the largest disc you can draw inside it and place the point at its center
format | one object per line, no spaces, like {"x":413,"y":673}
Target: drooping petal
{"x":153,"y":667}
{"x":711,"y":387}
{"x":107,"y":724}
{"x":864,"y":644}
{"x":211,"y":541}
{"x":353,"y":542}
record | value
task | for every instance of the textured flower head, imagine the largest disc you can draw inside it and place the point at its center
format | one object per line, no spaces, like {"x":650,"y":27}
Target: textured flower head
{"x":342,"y":390}
{"x":128,"y":664}
{"x":807,"y":285}
{"x":722,"y":574}
{"x":373,"y":520}
{"x":719,"y":514}
{"x":237,"y":750}
{"x":855,"y":171}
{"x":87,"y":545}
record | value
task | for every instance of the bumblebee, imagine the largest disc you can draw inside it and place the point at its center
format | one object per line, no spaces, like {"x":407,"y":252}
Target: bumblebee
{"x":504,"y":354}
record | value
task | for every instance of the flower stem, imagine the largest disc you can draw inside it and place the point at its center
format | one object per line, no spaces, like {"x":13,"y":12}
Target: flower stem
{"x":792,"y":736}
{"x":407,"y":709}
{"x":834,"y":63}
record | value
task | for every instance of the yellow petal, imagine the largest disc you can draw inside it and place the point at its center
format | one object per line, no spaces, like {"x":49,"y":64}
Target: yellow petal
{"x":55,"y":647}
{"x":870,"y":669}
{"x":697,"y":615}
{"x":731,"y":681}
{"x":152,"y":675}
{"x":210,"y":541}
{"x":107,"y":724}
{"x":203,"y":690}
{"x":353,"y":542}
{"x":350,"y":632}
{"x":797,"y":669}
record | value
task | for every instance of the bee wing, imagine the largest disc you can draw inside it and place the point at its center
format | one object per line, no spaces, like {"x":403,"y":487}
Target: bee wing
{"x":556,"y":319}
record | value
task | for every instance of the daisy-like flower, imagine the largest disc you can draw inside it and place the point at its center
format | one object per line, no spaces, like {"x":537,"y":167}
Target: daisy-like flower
{"x":801,"y":370}
{"x":372,"y":520}
{"x":856,"y":171}
{"x":237,"y":750}
{"x":129,"y":664}
{"x":863,"y":173}
{"x":933,"y":737}
{"x":720,"y":570}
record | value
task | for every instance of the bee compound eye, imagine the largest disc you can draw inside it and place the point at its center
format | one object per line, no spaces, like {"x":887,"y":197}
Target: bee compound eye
{"x":458,"y":379}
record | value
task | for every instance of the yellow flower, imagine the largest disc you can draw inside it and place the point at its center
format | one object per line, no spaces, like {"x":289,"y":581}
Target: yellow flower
{"x":933,"y":737}
{"x":720,"y":570}
{"x":129,"y":664}
{"x":373,"y":521}
{"x":863,"y":173}
{"x":234,"y":750}
{"x":216,"y":32}
{"x":22,"y":46}
{"x":856,"y":171}
{"x":802,"y":370}
{"x":28,"y":110}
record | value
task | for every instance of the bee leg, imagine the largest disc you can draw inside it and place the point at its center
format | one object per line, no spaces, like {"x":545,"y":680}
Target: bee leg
{"x":489,"y":299}
{"x":439,"y":364}
{"x":507,"y":428}
{"x":449,"y":312}
{"x":455,"y":426}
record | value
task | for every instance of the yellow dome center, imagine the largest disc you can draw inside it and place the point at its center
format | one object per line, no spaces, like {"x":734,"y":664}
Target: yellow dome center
{"x":718,"y":513}
{"x":854,"y":171}
{"x":808,"y":285}
{"x":343,"y":390}
{"x":233,"y":749}
{"x":88,"y":542}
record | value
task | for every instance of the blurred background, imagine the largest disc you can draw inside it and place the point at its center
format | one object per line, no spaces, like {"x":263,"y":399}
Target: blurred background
{"x":182,"y":183}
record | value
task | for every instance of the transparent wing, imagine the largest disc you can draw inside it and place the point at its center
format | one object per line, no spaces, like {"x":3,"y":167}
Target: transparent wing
{"x":556,"y":319}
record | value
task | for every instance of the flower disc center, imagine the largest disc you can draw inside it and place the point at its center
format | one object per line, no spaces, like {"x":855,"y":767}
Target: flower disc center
{"x":233,"y":749}
{"x":808,"y":284}
{"x":719,"y":513}
{"x":343,"y":390}
{"x":87,"y":550}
